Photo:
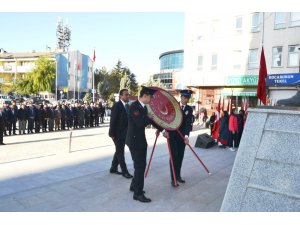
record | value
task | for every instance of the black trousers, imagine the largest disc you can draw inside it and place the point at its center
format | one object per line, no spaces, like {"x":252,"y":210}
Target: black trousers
{"x":232,"y":140}
{"x":177,"y":151}
{"x":119,"y":155}
{"x":139,"y":157}
{"x":1,"y":136}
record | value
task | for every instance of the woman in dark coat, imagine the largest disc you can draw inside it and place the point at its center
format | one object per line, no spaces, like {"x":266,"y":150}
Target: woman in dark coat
{"x":224,"y":130}
{"x":211,"y":122}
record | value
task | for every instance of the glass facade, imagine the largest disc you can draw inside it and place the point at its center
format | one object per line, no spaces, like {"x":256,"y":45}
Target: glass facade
{"x":165,"y":79}
{"x":171,"y":60}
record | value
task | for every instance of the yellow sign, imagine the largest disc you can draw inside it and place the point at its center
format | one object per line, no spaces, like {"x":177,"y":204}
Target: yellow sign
{"x":65,"y":89}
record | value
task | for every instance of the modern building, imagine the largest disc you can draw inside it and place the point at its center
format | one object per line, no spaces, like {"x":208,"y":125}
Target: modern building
{"x":75,"y":74}
{"x":171,"y":65}
{"x":222,"y":55}
{"x":74,"y":71}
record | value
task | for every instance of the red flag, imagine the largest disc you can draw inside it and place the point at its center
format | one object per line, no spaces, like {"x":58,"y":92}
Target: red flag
{"x":94,"y":57}
{"x":215,"y":134}
{"x":78,"y":66}
{"x":229,"y":102}
{"x":261,"y":87}
{"x":242,"y":106}
{"x":223,"y":104}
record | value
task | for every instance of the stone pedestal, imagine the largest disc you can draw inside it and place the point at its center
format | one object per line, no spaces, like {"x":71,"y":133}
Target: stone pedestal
{"x":266,"y":172}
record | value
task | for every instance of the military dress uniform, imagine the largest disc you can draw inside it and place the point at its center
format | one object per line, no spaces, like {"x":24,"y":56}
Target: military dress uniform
{"x":177,"y":143}
{"x":138,"y":120}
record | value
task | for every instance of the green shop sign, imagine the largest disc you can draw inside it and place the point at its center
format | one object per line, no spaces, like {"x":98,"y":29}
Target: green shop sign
{"x":242,"y":80}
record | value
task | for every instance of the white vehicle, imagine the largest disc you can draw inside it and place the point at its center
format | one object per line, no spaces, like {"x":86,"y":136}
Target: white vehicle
{"x":4,"y":99}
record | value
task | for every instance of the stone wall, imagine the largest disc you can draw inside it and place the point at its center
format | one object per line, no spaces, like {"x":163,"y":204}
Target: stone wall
{"x":266,"y":172}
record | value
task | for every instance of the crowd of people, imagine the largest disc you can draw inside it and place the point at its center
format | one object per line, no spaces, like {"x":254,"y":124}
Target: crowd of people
{"x":231,"y":128}
{"x":35,"y":118}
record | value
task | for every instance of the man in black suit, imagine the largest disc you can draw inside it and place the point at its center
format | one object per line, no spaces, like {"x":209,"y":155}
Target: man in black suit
{"x":117,"y":131}
{"x":138,"y":119}
{"x":177,"y":144}
{"x":1,"y":127}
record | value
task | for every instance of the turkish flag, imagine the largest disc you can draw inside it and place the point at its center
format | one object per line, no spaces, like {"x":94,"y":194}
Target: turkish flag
{"x":215,"y":133}
{"x":94,"y":57}
{"x":261,"y":87}
{"x":229,"y":102}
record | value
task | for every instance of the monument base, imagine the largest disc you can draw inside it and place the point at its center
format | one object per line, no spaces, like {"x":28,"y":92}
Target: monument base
{"x":266,"y":173}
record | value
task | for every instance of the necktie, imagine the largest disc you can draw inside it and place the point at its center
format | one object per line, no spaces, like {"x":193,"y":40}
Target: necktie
{"x":127,"y":107}
{"x":182,"y":107}
{"x":146,"y":110}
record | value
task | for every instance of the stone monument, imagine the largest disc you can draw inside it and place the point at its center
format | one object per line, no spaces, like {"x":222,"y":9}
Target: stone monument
{"x":266,"y":173}
{"x":294,"y":101}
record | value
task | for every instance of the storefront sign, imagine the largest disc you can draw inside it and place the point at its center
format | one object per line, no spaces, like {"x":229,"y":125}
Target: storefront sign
{"x":243,"y":80}
{"x":238,"y":92}
{"x":285,"y":79}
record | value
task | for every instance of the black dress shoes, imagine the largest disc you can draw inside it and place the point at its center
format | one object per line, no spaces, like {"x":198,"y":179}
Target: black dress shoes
{"x":115,"y":171}
{"x":127,"y":175}
{"x":173,"y":184}
{"x":179,"y":179}
{"x":141,"y":198}
{"x":131,"y":189}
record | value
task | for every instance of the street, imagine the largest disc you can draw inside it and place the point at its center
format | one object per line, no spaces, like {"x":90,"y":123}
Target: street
{"x":48,"y":172}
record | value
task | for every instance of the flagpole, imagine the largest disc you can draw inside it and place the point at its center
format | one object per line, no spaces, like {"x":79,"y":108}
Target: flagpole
{"x":263,"y":29}
{"x":93,"y":78}
{"x":262,"y":37}
{"x":93,"y":83}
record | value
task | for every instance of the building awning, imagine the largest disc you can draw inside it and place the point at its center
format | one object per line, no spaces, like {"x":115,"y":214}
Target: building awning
{"x":238,"y":92}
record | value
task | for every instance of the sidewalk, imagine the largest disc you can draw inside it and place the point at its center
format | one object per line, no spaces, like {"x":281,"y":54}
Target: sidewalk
{"x":37,"y":173}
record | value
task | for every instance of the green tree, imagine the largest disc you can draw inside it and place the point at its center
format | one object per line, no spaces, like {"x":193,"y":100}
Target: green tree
{"x":133,"y":87}
{"x":87,"y":97}
{"x":103,"y":83}
{"x":41,"y":78}
{"x":110,"y":83}
{"x":125,"y":82}
{"x":115,"y":78}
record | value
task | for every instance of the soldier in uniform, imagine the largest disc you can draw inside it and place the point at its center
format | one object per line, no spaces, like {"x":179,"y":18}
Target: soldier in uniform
{"x":177,"y":144}
{"x":117,"y":131}
{"x":138,"y":119}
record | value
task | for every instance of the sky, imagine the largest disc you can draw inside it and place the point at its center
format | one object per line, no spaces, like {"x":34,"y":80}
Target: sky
{"x":135,"y":38}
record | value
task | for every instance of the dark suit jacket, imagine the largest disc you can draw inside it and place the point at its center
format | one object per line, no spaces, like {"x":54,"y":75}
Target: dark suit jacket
{"x":1,"y":123}
{"x":137,"y":121}
{"x":186,"y":125}
{"x":118,"y":121}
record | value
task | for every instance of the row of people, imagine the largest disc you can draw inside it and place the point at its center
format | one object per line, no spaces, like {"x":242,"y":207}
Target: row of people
{"x":35,"y":118}
{"x":231,"y":129}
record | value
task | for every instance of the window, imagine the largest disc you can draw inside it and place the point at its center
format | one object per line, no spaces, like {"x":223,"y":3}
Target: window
{"x":215,"y":26}
{"x":295,"y":19}
{"x":255,"y":22}
{"x":200,"y":62}
{"x":277,"y":57}
{"x":214,"y":61}
{"x":293,"y":58}
{"x":253,"y":59}
{"x":280,"y":18}
{"x":237,"y":59}
{"x":239,"y":23}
